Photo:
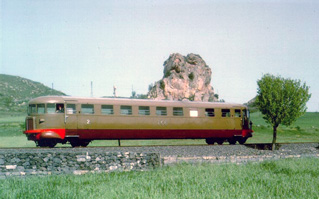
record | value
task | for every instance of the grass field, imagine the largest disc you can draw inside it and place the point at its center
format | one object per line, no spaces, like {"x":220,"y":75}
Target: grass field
{"x":305,"y":129}
{"x":289,"y":178}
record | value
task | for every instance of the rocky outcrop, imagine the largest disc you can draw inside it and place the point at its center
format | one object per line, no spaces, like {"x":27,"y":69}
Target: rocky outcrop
{"x":184,"y":78}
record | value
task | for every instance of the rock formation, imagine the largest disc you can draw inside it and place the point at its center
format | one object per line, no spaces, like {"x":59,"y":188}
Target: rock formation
{"x":184,"y":78}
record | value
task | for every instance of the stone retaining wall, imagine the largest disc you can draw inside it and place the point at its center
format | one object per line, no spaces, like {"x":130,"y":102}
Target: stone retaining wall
{"x":231,"y":159}
{"x":47,"y":163}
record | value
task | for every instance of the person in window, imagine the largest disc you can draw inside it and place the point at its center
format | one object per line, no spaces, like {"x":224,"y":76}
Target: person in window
{"x":60,"y":109}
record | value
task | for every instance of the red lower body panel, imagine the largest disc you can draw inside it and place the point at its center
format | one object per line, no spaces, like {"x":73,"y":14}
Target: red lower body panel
{"x":114,"y":134}
{"x":45,"y":134}
{"x":93,"y":134}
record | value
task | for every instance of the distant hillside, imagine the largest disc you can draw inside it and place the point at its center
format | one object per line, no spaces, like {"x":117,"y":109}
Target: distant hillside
{"x":16,"y":91}
{"x":252,"y":105}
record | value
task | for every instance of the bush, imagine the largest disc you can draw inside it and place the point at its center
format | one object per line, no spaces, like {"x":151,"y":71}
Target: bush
{"x":167,"y":74}
{"x":162,"y":85}
{"x":191,"y":76}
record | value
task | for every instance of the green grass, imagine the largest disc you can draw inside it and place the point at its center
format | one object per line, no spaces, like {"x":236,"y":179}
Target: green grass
{"x":290,"y":178}
{"x":305,"y":129}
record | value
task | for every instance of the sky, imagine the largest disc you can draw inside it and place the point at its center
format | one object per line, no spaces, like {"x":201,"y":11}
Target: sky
{"x":71,"y":43}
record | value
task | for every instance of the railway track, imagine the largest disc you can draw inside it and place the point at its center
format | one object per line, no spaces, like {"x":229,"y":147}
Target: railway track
{"x":262,"y":146}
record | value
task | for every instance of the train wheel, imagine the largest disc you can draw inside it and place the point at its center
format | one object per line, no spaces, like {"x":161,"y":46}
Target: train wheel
{"x":220,"y":141}
{"x":210,"y":141}
{"x":232,"y":141}
{"x":84,"y":143}
{"x":52,"y":144}
{"x":47,"y":143}
{"x":242,"y":140}
{"x":75,"y":143}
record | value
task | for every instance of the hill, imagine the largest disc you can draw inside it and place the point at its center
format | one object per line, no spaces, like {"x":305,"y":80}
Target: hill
{"x":16,"y":91}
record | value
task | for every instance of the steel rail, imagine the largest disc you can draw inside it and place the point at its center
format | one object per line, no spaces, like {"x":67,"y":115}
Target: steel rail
{"x":251,"y":145}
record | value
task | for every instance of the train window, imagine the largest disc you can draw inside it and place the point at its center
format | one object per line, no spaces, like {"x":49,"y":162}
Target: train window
{"x":246,"y":113}
{"x":161,"y":111}
{"x":59,"y":108}
{"x":210,"y":112}
{"x":178,"y":111}
{"x":41,"y":108}
{"x":126,"y":110}
{"x":193,"y":113}
{"x":144,"y":110}
{"x":50,"y":108}
{"x":32,"y":109}
{"x":70,"y":109}
{"x":107,"y":110}
{"x":237,"y":113}
{"x":87,"y":109}
{"x":225,"y":112}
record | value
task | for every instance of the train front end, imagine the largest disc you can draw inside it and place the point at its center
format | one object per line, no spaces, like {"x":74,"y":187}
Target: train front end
{"x":45,"y":121}
{"x":247,"y":127}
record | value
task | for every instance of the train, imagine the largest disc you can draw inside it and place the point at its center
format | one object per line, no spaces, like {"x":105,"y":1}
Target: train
{"x":80,"y":120}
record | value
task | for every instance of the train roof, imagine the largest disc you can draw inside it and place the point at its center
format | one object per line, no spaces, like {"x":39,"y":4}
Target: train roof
{"x":127,"y":101}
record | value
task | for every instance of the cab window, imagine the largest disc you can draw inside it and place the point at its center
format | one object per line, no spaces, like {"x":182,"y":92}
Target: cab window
{"x":237,"y":113}
{"x":32,"y":109}
{"x":246,"y":113}
{"x":59,"y":108}
{"x":51,"y":108}
{"x":41,"y":108}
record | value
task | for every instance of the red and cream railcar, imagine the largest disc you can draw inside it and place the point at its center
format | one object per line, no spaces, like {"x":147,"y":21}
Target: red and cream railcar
{"x":61,"y":119}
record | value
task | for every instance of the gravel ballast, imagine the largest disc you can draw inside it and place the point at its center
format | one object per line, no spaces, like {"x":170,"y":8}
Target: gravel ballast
{"x":205,"y":153}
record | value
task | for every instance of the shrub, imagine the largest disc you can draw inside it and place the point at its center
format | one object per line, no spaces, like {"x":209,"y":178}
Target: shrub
{"x":191,"y":76}
{"x":162,"y":85}
{"x":167,"y":73}
{"x":298,"y":128}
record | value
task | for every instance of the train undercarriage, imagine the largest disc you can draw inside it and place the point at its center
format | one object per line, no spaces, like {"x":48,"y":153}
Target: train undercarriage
{"x":231,"y":141}
{"x":53,"y":142}
{"x":75,"y":142}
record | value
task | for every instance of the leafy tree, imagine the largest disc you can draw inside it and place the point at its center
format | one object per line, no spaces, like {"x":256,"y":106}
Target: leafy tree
{"x":281,"y":101}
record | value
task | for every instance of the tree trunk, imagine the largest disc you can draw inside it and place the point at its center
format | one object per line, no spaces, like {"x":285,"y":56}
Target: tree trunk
{"x":274,"y":138}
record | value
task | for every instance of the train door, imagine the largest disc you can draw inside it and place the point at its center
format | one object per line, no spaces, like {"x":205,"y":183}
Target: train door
{"x":245,"y":119}
{"x":238,"y":120}
{"x":71,"y":119}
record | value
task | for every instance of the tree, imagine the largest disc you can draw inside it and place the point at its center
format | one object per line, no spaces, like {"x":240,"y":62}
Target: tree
{"x":281,"y":101}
